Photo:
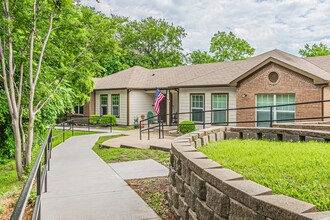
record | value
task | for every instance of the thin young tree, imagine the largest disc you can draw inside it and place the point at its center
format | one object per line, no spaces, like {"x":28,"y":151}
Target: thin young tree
{"x":21,"y":61}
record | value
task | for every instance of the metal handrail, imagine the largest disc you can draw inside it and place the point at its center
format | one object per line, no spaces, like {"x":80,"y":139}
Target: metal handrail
{"x":271,"y":120}
{"x":39,"y":170}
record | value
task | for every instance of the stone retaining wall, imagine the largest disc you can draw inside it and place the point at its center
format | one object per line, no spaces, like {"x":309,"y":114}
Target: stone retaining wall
{"x":202,"y":189}
{"x":324,"y":126}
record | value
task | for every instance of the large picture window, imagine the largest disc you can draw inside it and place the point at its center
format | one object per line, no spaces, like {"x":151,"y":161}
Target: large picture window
{"x":197,"y":107}
{"x":219,"y":102}
{"x":115,"y":105}
{"x":279,"y":113}
{"x":104,"y":104}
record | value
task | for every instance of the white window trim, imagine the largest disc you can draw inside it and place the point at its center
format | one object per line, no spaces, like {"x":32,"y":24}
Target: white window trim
{"x":274,"y":109}
{"x":196,"y":108}
{"x":112,"y":105}
{"x":103,"y":105}
{"x":213,"y":108}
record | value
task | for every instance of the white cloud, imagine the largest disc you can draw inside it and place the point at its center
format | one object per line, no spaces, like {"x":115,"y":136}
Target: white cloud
{"x":265,"y":24}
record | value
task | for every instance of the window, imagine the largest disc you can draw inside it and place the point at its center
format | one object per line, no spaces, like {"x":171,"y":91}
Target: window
{"x":279,"y":113}
{"x":104,"y":105}
{"x":115,"y":105}
{"x":219,"y":102}
{"x":197,"y":107}
{"x":79,"y":109}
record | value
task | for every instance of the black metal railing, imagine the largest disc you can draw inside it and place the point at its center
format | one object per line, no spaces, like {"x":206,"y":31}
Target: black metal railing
{"x":159,"y":124}
{"x":42,"y":165}
{"x":38,"y":173}
{"x":87,"y":121}
{"x":204,"y":122}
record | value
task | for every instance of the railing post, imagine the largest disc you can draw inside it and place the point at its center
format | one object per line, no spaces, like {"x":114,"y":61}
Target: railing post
{"x":148,"y":129}
{"x":159,"y":126}
{"x":50,"y":148}
{"x":46,"y":165}
{"x":163,"y":129}
{"x":140,"y":130}
{"x":63,"y":132}
{"x":39,"y":187}
{"x":88,"y":119}
{"x":203,"y":119}
{"x":72,"y":132}
{"x":271,"y":116}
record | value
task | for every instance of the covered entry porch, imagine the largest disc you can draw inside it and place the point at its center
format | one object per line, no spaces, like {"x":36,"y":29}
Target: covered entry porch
{"x":168,"y":107}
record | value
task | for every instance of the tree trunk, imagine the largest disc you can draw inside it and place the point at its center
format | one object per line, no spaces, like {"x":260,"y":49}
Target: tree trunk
{"x":30,"y":140}
{"x":18,"y":148}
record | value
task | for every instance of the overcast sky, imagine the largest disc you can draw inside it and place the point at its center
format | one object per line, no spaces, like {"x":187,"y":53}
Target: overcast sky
{"x":266,"y":24}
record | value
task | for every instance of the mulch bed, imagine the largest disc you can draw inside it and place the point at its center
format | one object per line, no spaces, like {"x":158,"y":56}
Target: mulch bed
{"x":154,"y":192}
{"x":9,"y":204}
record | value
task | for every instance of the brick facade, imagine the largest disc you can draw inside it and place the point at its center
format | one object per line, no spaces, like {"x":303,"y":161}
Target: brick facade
{"x":289,"y":82}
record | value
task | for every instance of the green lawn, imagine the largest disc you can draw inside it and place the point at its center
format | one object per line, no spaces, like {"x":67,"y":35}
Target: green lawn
{"x":125,"y":128}
{"x":300,"y":170}
{"x":112,"y":155}
{"x":59,"y":139}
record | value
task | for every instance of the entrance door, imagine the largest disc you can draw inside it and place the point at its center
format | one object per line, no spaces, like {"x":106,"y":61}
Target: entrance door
{"x":163,"y":109}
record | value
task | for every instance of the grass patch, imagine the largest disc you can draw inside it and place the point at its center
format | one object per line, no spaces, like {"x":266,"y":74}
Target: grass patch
{"x":299,"y":170}
{"x":121,"y":128}
{"x":112,"y":155}
{"x":59,"y":139}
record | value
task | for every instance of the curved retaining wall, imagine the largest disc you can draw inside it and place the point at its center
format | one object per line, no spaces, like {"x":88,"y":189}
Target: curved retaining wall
{"x":202,"y":189}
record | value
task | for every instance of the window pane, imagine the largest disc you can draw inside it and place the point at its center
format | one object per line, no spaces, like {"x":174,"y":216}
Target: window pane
{"x":219,"y":102}
{"x":81,"y":110}
{"x":104,"y":100}
{"x":76,"y":109}
{"x":261,"y":116}
{"x":197,"y":115}
{"x":104,"y":110}
{"x":285,"y":115}
{"x":115,"y":110}
{"x":197,"y":106}
{"x":115,"y":105}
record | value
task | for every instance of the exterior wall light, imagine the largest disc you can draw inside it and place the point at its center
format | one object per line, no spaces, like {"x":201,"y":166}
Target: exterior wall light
{"x":244,"y":95}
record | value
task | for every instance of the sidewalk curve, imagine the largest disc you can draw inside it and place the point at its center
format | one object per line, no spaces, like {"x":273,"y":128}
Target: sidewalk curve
{"x":82,"y":186}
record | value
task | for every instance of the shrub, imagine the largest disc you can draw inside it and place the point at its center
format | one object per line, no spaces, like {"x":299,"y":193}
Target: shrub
{"x":108,"y":119}
{"x":94,"y":119}
{"x":186,"y":127}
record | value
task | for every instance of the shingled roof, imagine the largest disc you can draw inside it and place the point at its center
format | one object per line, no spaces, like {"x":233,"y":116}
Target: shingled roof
{"x":213,"y":74}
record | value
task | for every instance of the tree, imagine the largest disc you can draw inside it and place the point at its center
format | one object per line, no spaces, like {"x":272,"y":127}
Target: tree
{"x":197,"y":57}
{"x":315,"y":50}
{"x":153,"y":43}
{"x":226,"y":47}
{"x":49,"y":53}
{"x":223,"y":47}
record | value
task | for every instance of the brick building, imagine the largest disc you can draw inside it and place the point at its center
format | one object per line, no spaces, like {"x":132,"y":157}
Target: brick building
{"x":272,"y":78}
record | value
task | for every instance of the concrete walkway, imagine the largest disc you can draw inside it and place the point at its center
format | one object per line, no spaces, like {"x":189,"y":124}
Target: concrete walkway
{"x":82,"y":186}
{"x":133,"y":140}
{"x":138,"y":169}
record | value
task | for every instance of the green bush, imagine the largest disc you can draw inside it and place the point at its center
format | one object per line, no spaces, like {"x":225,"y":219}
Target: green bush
{"x":108,"y":119}
{"x":94,"y":119}
{"x":186,"y":127}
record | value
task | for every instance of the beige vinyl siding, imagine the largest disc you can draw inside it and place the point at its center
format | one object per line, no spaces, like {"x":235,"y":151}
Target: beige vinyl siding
{"x":141,"y":102}
{"x":185,"y":102}
{"x":122,"y":120}
{"x":326,"y":106}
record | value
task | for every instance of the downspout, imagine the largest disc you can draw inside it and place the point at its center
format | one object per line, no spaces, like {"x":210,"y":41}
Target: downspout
{"x":128,"y":107}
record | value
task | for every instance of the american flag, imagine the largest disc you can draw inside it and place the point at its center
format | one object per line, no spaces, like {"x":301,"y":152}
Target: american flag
{"x":158,"y":99}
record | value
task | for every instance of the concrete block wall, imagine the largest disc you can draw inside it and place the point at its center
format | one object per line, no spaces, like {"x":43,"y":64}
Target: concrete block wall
{"x":202,"y":189}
